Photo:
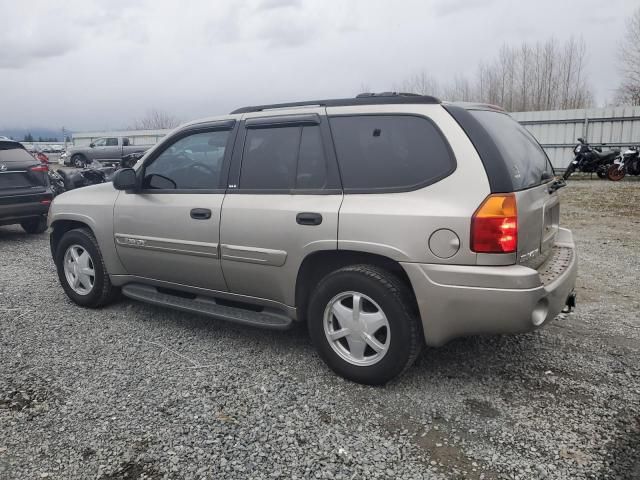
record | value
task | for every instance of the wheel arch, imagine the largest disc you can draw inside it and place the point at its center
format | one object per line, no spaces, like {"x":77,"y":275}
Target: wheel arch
{"x":60,"y":227}
{"x":318,"y":264}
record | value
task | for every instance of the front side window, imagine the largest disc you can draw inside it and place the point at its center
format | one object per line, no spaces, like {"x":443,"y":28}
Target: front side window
{"x":389,"y":152}
{"x":192,"y":162}
{"x":283,"y":158}
{"x":101,"y":142}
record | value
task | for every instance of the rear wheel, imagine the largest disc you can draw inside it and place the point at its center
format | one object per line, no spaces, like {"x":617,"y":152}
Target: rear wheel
{"x":363,"y":321}
{"x":615,"y":173}
{"x":35,"y":225}
{"x":82,"y":271}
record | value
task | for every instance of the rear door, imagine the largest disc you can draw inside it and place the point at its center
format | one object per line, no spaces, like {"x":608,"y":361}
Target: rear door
{"x":530,"y":172}
{"x":281,"y":205}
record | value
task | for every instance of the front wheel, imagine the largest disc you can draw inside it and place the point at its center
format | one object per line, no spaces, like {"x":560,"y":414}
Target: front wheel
{"x":616,"y":173}
{"x":82,"y":271}
{"x":363,"y":322}
{"x":78,"y":161}
{"x":567,"y":173}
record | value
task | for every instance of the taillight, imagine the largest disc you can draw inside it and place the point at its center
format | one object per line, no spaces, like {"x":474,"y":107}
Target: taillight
{"x":39,"y":168}
{"x":494,"y":225}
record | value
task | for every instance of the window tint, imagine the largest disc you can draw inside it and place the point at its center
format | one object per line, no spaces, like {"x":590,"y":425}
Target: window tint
{"x":389,"y":151}
{"x":9,"y":153}
{"x":269,"y":158}
{"x":112,"y":142}
{"x":193,"y":162}
{"x":312,"y":164}
{"x":524,"y":157}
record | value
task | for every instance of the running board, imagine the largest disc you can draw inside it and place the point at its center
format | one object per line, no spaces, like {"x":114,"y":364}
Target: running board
{"x":268,"y":318}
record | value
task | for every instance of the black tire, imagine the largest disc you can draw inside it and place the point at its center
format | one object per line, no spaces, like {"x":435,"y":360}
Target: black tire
{"x":35,"y":225}
{"x":398,"y":304}
{"x":103,"y":292}
{"x":567,"y":173}
{"x":78,"y":161}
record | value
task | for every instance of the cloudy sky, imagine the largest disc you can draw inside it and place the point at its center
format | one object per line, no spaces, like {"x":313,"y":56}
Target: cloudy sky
{"x":99,"y":64}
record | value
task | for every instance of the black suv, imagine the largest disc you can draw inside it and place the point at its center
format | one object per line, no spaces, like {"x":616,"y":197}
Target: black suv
{"x":25,"y":193}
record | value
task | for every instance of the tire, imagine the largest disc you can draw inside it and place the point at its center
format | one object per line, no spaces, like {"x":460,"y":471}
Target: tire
{"x":615,"y":174}
{"x":102,"y":292}
{"x":78,"y":161}
{"x":35,"y":225}
{"x":567,"y":173}
{"x":380,"y":291}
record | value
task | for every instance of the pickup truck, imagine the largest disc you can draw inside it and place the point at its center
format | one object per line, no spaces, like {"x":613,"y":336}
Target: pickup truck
{"x":106,"y":150}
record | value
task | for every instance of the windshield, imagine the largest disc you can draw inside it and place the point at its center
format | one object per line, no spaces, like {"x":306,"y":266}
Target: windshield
{"x":527,"y":162}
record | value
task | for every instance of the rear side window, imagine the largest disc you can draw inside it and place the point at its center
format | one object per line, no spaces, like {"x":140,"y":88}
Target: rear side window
{"x":525,"y":159}
{"x":10,"y":153}
{"x":390,"y":152}
{"x":112,"y":142}
{"x":283,"y":158}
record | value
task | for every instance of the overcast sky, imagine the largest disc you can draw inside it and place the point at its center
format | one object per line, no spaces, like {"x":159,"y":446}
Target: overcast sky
{"x":99,"y":64}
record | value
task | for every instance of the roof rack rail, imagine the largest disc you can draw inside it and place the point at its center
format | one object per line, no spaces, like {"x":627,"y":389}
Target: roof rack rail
{"x":384,"y":98}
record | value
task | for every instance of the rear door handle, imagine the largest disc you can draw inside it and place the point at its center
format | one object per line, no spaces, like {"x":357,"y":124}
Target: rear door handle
{"x":309,"y":218}
{"x":201,"y":214}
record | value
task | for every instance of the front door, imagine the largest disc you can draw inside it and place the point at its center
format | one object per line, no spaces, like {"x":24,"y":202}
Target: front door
{"x":170,"y":229}
{"x":282,"y":203}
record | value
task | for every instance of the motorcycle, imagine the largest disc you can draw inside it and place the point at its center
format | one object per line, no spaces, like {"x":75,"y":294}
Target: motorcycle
{"x":96,"y":173}
{"x":627,"y":163}
{"x":589,"y":159}
{"x":55,"y":180}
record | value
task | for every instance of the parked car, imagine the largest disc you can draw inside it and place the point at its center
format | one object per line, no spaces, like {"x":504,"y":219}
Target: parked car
{"x":383,"y":221}
{"x":105,"y":150}
{"x":25,"y":193}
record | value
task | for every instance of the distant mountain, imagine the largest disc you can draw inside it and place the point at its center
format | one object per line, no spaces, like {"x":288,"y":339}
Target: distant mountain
{"x":36,"y":132}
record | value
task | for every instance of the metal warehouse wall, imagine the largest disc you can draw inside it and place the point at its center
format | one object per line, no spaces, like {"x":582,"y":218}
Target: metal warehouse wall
{"x":137,"y":137}
{"x":558,"y":130}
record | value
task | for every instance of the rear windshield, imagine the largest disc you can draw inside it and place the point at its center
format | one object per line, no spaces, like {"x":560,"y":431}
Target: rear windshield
{"x":526,"y":160}
{"x":10,"y":153}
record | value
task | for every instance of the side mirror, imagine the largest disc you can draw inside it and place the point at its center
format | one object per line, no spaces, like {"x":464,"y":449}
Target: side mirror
{"x":125,"y":179}
{"x":92,"y":144}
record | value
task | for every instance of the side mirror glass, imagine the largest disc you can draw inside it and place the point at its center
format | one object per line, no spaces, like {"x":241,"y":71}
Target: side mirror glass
{"x":125,"y":179}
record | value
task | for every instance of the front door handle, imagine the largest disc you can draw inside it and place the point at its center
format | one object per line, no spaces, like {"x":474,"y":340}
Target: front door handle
{"x":309,"y":218}
{"x":201,"y":214}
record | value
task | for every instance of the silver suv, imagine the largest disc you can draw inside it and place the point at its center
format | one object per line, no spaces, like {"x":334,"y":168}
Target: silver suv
{"x":383,"y":221}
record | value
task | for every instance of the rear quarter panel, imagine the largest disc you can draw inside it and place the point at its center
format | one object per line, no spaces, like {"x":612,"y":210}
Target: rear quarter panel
{"x":399,"y":225}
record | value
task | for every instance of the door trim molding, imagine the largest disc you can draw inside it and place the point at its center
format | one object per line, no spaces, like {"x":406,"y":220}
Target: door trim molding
{"x":262,"y":256}
{"x":169,"y":245}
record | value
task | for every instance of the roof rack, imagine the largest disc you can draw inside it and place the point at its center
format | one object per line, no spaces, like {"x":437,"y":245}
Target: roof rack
{"x":384,"y":98}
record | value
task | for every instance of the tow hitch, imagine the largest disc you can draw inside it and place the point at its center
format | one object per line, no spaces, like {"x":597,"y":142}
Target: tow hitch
{"x":570,"y":303}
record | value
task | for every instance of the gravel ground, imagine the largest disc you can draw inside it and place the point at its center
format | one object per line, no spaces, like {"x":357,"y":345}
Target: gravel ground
{"x":133,"y":391}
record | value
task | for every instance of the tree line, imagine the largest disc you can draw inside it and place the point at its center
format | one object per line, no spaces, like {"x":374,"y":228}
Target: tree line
{"x":540,"y":76}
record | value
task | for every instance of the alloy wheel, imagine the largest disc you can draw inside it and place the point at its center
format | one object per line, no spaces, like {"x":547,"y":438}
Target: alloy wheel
{"x":79,"y":270}
{"x":357,"y":328}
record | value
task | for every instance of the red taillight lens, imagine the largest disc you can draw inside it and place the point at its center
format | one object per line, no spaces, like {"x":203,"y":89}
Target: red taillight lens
{"x":39,"y":168}
{"x":45,"y":202}
{"x":494,"y":225}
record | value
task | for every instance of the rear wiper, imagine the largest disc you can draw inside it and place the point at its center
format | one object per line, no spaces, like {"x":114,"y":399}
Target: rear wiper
{"x":557,"y":184}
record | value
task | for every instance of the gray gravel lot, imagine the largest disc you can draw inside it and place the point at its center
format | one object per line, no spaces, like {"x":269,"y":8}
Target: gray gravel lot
{"x":134,"y":391}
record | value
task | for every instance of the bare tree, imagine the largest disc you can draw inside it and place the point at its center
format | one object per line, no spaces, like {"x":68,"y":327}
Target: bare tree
{"x":629,"y":91}
{"x":155,"y":120}
{"x":542,"y":76}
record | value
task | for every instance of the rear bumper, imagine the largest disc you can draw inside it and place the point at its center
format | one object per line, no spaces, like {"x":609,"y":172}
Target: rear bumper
{"x":23,"y":207}
{"x":458,"y":300}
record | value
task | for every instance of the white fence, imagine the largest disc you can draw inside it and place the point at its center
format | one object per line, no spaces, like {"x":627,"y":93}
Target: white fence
{"x":558,"y":130}
{"x":136,"y":137}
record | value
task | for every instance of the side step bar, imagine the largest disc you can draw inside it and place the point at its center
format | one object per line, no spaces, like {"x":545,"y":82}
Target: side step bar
{"x":268,"y":318}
